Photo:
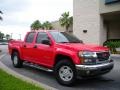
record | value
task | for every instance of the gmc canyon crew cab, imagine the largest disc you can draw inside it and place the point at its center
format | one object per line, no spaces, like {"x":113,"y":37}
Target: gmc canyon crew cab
{"x":64,"y":54}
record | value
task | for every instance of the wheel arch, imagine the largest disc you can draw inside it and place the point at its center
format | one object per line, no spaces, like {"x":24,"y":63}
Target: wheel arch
{"x":14,"y":50}
{"x":59,"y":57}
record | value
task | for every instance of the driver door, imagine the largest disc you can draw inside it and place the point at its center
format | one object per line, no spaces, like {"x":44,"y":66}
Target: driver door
{"x":43,"y":52}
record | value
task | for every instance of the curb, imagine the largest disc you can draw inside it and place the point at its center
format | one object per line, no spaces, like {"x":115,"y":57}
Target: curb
{"x":115,"y":55}
{"x":24,"y":78}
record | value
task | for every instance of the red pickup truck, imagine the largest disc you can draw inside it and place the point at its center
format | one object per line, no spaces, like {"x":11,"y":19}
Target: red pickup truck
{"x":64,"y":54}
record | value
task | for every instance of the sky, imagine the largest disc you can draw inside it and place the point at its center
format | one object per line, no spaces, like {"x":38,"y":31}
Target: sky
{"x":19,"y":14}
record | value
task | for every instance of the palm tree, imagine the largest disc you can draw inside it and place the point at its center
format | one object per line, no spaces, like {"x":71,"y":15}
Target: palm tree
{"x":66,"y":21}
{"x":0,"y":16}
{"x":47,"y":25}
{"x":36,"y":25}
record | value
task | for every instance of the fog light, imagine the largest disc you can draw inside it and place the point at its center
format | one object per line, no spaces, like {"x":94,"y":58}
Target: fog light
{"x":88,"y":60}
{"x":88,"y":72}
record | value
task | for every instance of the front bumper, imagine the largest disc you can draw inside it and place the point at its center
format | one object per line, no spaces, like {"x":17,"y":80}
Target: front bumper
{"x":94,"y":70}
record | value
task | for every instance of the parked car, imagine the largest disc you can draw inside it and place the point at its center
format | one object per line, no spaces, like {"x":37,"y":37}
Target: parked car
{"x":64,"y":54}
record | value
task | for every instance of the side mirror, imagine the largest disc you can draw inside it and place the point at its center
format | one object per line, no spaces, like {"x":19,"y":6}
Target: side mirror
{"x":47,"y":42}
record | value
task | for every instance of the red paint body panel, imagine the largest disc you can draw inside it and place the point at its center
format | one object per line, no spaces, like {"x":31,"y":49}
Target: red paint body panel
{"x":45,"y":54}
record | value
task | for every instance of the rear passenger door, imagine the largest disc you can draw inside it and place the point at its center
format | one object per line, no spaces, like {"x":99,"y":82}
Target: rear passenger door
{"x":28,"y":47}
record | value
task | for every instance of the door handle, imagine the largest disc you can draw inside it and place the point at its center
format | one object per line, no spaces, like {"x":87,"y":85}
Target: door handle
{"x":35,"y":46}
{"x":24,"y":45}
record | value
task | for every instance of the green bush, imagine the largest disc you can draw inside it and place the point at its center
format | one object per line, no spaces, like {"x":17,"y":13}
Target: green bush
{"x":112,"y":44}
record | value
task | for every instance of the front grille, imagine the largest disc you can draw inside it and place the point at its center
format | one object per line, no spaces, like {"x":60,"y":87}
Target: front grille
{"x":103,"y":56}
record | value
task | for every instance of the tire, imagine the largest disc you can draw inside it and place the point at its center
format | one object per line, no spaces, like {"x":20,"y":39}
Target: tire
{"x":17,"y":62}
{"x":65,"y":73}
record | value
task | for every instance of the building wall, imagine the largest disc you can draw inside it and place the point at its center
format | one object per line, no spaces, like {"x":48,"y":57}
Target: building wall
{"x":103,"y":31}
{"x":106,"y":8}
{"x":114,"y":30}
{"x":87,"y":17}
{"x":110,"y":13}
{"x":91,"y":15}
{"x":56,"y":25}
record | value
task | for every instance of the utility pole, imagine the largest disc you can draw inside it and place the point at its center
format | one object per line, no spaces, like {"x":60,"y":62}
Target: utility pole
{"x":11,"y":35}
{"x":20,"y":36}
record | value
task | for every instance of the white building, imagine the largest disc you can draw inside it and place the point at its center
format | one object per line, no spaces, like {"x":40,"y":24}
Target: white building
{"x":95,"y":21}
{"x":56,"y":25}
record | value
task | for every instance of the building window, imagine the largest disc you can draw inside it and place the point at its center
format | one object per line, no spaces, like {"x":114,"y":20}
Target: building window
{"x":111,"y":1}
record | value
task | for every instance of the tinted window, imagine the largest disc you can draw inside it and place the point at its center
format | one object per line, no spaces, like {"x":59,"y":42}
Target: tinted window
{"x":111,"y":1}
{"x":63,"y":37}
{"x":41,"y":36}
{"x":30,"y":37}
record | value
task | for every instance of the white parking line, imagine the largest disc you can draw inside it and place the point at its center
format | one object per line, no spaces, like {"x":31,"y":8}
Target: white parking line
{"x":24,"y":78}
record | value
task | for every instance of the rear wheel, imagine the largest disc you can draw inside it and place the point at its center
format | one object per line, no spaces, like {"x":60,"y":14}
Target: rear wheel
{"x":65,"y":72}
{"x":17,"y":62}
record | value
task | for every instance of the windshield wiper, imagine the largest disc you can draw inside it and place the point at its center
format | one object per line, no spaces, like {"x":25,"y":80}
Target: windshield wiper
{"x":64,"y":42}
{"x":75,"y":42}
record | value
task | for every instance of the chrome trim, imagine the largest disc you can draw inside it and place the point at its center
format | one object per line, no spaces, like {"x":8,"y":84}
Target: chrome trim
{"x":91,"y":67}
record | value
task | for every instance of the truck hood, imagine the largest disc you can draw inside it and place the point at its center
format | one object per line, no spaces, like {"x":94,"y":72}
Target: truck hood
{"x":83,"y":47}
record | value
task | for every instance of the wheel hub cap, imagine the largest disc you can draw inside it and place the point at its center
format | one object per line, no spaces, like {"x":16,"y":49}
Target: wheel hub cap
{"x":66,"y":73}
{"x":15,"y":60}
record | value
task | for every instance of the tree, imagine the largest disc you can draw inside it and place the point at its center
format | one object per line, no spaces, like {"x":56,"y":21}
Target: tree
{"x":47,"y":25}
{"x":7,"y":36}
{"x":0,"y":16}
{"x":1,"y":36}
{"x":66,"y":21}
{"x":36,"y":25}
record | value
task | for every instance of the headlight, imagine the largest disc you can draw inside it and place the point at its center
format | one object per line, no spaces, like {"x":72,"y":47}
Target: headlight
{"x":87,"y":54}
{"x":87,"y":57}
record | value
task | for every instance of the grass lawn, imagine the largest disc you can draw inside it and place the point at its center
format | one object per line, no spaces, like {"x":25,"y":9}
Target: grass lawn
{"x":8,"y":82}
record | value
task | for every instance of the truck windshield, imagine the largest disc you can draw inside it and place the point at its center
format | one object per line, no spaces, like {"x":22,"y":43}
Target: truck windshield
{"x":63,"y":37}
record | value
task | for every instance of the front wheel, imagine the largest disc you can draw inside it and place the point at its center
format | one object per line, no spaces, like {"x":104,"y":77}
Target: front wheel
{"x":17,"y":62}
{"x":65,"y":72}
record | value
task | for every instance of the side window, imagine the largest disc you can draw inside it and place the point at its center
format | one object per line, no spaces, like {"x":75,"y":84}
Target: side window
{"x":41,"y":36}
{"x":30,"y":37}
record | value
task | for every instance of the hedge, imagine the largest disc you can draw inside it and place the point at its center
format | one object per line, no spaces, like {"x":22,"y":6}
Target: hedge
{"x":113,"y":44}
